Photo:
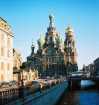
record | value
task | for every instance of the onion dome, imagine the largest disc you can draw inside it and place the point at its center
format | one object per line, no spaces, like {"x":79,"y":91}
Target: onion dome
{"x":69,"y":31}
{"x":41,"y":41}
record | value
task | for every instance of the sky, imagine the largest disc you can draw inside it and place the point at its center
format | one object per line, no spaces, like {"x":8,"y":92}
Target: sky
{"x":29,"y":19}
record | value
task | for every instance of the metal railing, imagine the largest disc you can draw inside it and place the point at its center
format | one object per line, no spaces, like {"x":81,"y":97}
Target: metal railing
{"x":8,"y":94}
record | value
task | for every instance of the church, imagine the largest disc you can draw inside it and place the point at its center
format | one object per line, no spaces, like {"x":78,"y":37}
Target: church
{"x":54,"y":57}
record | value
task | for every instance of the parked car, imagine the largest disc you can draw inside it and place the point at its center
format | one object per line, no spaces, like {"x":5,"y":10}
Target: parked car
{"x":36,"y":86}
{"x":13,"y":83}
{"x":4,"y":84}
{"x":33,"y":85}
{"x":43,"y":84}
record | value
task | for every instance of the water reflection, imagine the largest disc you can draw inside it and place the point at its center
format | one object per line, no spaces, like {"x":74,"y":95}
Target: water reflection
{"x":82,"y":96}
{"x":87,"y":83}
{"x":88,"y":97}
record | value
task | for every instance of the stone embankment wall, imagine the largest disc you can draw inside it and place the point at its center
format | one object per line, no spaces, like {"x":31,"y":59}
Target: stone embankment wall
{"x":47,"y":97}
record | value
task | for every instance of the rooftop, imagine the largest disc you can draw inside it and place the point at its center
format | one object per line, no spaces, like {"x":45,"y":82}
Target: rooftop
{"x":3,"y":20}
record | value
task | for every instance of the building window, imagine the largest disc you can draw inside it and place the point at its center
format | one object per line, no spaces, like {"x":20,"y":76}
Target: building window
{"x":8,"y":68}
{"x":8,"y":43}
{"x":2,"y":38}
{"x":8,"y":53}
{"x":2,"y":51}
{"x":2,"y":77}
{"x":49,"y":59}
{"x":2,"y":66}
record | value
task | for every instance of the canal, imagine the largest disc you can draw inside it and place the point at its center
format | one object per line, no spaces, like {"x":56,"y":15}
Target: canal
{"x":87,"y":95}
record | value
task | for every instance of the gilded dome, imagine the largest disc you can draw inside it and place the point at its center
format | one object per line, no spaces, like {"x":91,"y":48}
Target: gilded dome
{"x":69,"y":29}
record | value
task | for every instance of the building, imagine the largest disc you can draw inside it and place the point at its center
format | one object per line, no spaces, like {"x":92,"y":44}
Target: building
{"x":54,"y":56}
{"x":27,"y":73}
{"x":92,"y":68}
{"x":96,"y":64}
{"x":89,"y":69}
{"x":17,"y":63}
{"x":6,"y":51}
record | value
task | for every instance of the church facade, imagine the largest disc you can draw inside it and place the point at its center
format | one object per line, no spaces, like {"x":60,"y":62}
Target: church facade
{"x":54,"y":56}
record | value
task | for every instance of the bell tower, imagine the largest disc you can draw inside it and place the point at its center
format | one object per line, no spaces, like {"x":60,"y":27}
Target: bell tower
{"x":70,"y":48}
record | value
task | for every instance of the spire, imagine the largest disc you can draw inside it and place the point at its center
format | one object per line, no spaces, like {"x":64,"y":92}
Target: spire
{"x":51,"y":19}
{"x":32,"y":48}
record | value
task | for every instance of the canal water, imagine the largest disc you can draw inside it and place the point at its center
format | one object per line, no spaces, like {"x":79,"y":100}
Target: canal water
{"x":84,"y":96}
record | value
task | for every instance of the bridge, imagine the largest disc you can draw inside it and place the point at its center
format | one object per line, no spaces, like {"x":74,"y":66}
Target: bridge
{"x":74,"y":82}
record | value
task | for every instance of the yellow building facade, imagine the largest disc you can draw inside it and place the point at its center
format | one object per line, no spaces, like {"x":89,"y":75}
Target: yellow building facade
{"x":17,"y":59}
{"x":17,"y":63}
{"x":6,"y":51}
